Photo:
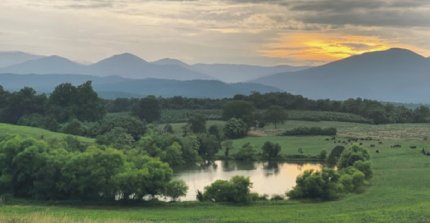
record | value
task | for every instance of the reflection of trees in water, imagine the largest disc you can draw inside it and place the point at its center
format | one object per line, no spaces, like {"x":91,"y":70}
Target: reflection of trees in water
{"x":271,"y":167}
{"x":228,"y":165}
{"x":300,"y":164}
{"x":245,"y":165}
{"x":209,"y":164}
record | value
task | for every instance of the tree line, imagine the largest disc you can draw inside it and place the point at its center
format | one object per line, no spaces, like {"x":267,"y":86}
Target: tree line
{"x":81,"y":103}
{"x":377,"y":112}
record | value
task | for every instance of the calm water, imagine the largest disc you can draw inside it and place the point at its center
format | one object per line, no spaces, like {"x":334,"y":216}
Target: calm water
{"x":267,"y":178}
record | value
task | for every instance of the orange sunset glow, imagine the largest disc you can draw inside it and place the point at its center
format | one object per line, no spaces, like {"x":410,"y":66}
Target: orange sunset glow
{"x":321,"y":48}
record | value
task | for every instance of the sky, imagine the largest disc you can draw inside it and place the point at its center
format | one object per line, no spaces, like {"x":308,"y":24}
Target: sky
{"x":263,"y":32}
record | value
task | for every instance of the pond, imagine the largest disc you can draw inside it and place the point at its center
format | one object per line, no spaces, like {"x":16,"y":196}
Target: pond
{"x":271,"y":178}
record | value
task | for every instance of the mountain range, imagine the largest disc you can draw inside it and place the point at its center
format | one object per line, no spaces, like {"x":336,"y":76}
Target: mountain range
{"x":130,"y":66}
{"x":396,"y":75}
{"x":115,"y":86}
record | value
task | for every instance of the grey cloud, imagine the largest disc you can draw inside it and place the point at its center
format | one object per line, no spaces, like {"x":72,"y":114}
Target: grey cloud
{"x":395,"y":13}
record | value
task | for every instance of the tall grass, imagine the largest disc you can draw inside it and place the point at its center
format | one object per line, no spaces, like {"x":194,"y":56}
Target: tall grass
{"x":46,"y":218}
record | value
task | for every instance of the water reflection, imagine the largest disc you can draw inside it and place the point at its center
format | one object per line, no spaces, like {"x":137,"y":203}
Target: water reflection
{"x":267,"y":177}
{"x":271,"y":167}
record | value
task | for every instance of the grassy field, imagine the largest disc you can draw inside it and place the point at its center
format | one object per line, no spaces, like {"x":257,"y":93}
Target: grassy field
{"x":399,"y":190}
{"x":8,"y":129}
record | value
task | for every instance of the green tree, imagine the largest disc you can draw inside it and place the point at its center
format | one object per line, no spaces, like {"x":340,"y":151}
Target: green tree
{"x":21,"y":103}
{"x":90,"y":106}
{"x":215,"y":131}
{"x":197,"y":123}
{"x":235,"y":128}
{"x":422,"y":114}
{"x":190,"y":149}
{"x":82,"y":102}
{"x":239,"y":109}
{"x":275,"y":114}
{"x":270,"y":150}
{"x":148,"y":109}
{"x":209,"y":146}
{"x":176,"y":189}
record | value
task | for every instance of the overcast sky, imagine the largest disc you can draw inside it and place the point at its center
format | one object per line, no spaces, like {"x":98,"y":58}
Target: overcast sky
{"x":296,"y":32}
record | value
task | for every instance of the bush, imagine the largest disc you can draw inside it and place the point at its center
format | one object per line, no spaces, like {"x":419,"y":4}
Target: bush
{"x":277,"y":197}
{"x":235,"y":128}
{"x":246,"y":153}
{"x":313,"y":131}
{"x":353,"y":172}
{"x":235,"y":190}
{"x":317,"y":185}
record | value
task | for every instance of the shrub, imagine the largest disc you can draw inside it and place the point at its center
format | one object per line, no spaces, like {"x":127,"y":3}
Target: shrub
{"x":246,"y":153}
{"x":235,"y":190}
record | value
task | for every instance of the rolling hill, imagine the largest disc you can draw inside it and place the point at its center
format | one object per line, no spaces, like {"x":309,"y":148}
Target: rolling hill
{"x":397,"y":75}
{"x":114,"y":86}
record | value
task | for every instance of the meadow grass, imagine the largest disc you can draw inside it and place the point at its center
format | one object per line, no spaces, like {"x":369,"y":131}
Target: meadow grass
{"x":37,"y":133}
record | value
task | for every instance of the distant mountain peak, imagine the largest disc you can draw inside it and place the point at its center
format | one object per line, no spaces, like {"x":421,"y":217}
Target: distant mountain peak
{"x":127,"y":56}
{"x":395,"y":52}
{"x":55,"y":58}
{"x":170,"y":61}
